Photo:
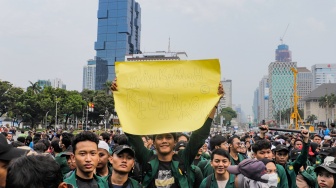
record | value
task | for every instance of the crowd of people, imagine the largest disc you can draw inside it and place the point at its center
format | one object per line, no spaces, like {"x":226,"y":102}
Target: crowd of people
{"x":198,"y":159}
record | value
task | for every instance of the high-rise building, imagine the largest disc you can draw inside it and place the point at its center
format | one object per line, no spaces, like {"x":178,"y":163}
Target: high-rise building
{"x":119,"y":27}
{"x":226,"y":100}
{"x":44,"y":83}
{"x":101,"y":74}
{"x":280,"y":80}
{"x":157,"y":56}
{"x":304,"y":84}
{"x":283,"y":54}
{"x":89,"y":75}
{"x":55,"y":83}
{"x":323,"y":74}
{"x":263,"y":91}
{"x":255,"y":107}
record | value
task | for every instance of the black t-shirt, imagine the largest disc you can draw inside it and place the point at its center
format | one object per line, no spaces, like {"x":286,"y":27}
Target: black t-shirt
{"x":164,"y":177}
{"x":86,"y":183}
{"x":196,"y":161}
{"x":127,"y":184}
{"x":236,"y":162}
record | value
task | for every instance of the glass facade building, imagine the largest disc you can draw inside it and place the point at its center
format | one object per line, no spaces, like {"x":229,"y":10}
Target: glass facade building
{"x":119,"y":29}
{"x":89,"y":75}
{"x":323,"y":74}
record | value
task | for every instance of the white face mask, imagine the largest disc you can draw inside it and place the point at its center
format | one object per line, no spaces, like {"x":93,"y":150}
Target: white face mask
{"x":273,"y":180}
{"x":287,"y":145}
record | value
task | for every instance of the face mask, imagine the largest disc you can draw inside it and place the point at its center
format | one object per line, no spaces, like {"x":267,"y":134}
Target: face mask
{"x":287,"y":145}
{"x":273,"y":180}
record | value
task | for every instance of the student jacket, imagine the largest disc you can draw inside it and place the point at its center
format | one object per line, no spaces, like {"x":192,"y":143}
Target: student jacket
{"x":72,"y":181}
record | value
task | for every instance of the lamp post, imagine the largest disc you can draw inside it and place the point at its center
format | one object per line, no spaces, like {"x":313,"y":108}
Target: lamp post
{"x":56,"y":113}
{"x":106,"y":117}
{"x":46,"y":120}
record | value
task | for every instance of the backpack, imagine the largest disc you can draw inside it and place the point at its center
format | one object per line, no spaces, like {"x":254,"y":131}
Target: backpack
{"x":182,"y":168}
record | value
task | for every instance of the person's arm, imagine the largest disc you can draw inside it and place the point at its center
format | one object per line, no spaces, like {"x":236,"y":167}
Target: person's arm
{"x":303,"y":157}
{"x":142,"y":154}
{"x":283,"y":183}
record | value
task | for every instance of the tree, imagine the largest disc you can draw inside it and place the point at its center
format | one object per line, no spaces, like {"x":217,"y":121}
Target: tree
{"x":71,"y":104}
{"x":5,"y":98}
{"x":328,"y":102}
{"x":35,"y":87}
{"x":107,"y":87}
{"x":311,"y":119}
{"x":228,"y":113}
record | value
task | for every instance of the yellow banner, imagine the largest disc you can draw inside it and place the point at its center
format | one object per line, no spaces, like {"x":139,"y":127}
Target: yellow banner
{"x":157,"y":97}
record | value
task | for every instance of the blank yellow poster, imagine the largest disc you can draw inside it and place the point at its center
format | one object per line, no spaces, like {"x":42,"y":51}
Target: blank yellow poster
{"x":156,"y":97}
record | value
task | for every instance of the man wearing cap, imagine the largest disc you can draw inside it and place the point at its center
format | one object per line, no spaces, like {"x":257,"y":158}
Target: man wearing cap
{"x":292,"y":168}
{"x":327,"y":141}
{"x":7,"y":153}
{"x":85,"y":148}
{"x":65,"y":145}
{"x":103,"y":170}
{"x":122,"y":160}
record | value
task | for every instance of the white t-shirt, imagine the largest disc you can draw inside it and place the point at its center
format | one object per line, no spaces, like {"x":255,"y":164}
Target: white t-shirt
{"x":222,"y":184}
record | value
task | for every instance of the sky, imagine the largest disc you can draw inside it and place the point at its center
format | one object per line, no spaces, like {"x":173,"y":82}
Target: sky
{"x":42,"y":39}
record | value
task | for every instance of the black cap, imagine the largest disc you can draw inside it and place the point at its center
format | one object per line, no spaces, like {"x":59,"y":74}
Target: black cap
{"x":294,"y":154}
{"x":325,"y":151}
{"x":281,"y":147}
{"x":328,"y":166}
{"x":121,"y":148}
{"x":7,"y":151}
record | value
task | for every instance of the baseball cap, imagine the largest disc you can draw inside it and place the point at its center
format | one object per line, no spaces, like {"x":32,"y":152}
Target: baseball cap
{"x":325,"y":151}
{"x":329,"y":166}
{"x":250,"y":168}
{"x":281,"y":147}
{"x":121,"y":148}
{"x":103,"y":145}
{"x":327,"y":137}
{"x":294,"y":154}
{"x":7,"y":151}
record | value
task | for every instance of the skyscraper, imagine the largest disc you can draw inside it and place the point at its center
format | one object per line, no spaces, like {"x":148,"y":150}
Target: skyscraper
{"x":304,"y":84}
{"x":263,"y":99}
{"x":226,"y":100}
{"x":283,"y":54}
{"x":119,"y":26}
{"x":89,"y":75}
{"x":323,"y":74}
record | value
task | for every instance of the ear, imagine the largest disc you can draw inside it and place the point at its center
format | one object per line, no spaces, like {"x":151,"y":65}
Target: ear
{"x":216,"y":147}
{"x":63,"y":185}
{"x":110,"y":158}
{"x":72,"y":157}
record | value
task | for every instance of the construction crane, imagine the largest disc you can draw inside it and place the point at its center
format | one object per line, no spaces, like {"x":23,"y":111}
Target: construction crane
{"x":283,"y":36}
{"x":295,"y":116}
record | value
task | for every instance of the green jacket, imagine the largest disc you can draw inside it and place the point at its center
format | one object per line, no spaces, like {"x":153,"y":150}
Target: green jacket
{"x":206,"y":168}
{"x":149,"y":160}
{"x":134,"y":183}
{"x":240,"y":158}
{"x":213,"y":184}
{"x":62,"y":161}
{"x":72,"y":181}
{"x":310,"y":176}
{"x":292,"y":168}
{"x":283,"y":181}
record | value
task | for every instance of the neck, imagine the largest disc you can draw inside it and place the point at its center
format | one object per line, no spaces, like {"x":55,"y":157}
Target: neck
{"x":166,"y":158}
{"x":233,"y":154}
{"x":118,"y":179}
{"x":222,"y":177}
{"x":84,"y":175}
{"x":102,"y":171}
{"x":198,"y":156}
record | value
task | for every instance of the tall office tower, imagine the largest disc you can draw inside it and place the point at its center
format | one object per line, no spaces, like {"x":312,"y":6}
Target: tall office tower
{"x":304,"y":84}
{"x":101,"y":74}
{"x":280,"y":80}
{"x":57,"y":83}
{"x":226,"y":100}
{"x":119,"y":26}
{"x":263,"y":91}
{"x":283,"y":54}
{"x":89,"y":75}
{"x":44,"y":83}
{"x":323,"y":74}
{"x":255,"y":107}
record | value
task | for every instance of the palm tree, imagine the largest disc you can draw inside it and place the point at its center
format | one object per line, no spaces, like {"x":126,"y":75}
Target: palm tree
{"x":107,"y":87}
{"x":328,"y":102}
{"x":35,"y":87}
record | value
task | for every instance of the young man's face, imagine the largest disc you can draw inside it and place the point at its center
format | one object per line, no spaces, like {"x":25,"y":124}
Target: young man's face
{"x":103,"y":158}
{"x":9,"y":137}
{"x":164,"y":143}
{"x":220,"y":164}
{"x":281,"y":157}
{"x":86,"y":157}
{"x":122,"y":162}
{"x":317,"y":140}
{"x":264,"y":153}
{"x":298,"y":145}
{"x":234,"y":147}
{"x":224,"y":146}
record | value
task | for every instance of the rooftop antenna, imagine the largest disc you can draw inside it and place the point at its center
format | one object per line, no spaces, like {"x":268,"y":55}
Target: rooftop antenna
{"x":169,"y":45}
{"x":283,"y":36}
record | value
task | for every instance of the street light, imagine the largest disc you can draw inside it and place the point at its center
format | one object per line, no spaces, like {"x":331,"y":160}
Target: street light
{"x":46,"y":123}
{"x":56,"y":113}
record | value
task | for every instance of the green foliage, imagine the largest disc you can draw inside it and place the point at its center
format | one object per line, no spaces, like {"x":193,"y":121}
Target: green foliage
{"x":228,"y":113}
{"x":311,"y":119}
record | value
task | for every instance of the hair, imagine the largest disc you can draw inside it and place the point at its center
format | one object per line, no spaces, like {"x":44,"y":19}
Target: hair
{"x":55,"y":144}
{"x":40,"y":147}
{"x":122,"y":139}
{"x":34,"y":171}
{"x":216,"y":140}
{"x":178,"y":135}
{"x":84,"y":136}
{"x":36,"y":138}
{"x":4,"y":133}
{"x":66,"y":139}
{"x":230,"y":141}
{"x":260,"y":145}
{"x":220,"y":152}
{"x":173,"y":134}
{"x":106,"y":137}
{"x":296,"y":140}
{"x":17,"y":144}
{"x":28,"y":140}
{"x":45,"y":142}
{"x":21,"y":139}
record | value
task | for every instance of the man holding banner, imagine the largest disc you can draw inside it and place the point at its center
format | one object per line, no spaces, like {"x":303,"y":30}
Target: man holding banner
{"x":162,"y":98}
